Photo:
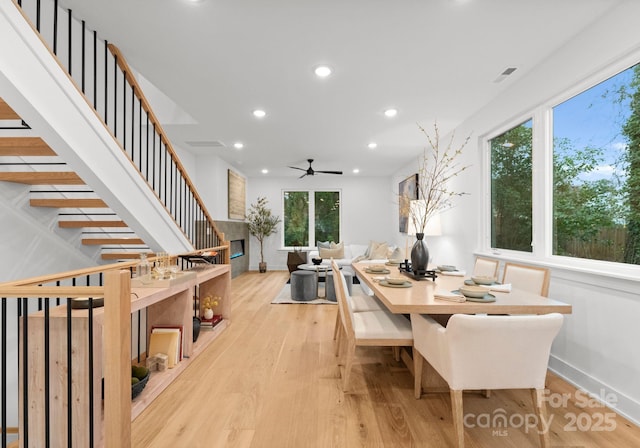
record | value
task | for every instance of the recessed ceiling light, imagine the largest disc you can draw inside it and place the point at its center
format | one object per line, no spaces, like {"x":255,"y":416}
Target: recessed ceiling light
{"x":238,"y":145}
{"x":356,"y":171}
{"x":372,"y":145}
{"x":259,"y":113}
{"x":264,"y":171}
{"x":391,"y":113}
{"x":322,"y":71}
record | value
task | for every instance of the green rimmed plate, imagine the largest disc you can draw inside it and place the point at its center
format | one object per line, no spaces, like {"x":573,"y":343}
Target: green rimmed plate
{"x":406,"y":284}
{"x":487,"y":298}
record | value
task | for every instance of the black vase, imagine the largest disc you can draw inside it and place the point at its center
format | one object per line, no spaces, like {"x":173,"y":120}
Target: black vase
{"x":196,"y":328}
{"x":419,"y":255}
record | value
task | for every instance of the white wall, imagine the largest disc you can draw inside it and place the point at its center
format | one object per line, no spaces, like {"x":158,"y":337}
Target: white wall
{"x":368,"y":210}
{"x":211,"y":181}
{"x":31,"y":236}
{"x":596,"y":349}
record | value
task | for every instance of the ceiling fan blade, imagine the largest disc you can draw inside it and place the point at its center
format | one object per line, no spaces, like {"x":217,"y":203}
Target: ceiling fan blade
{"x":296,"y":168}
{"x":302,"y":176}
{"x":330,"y":172}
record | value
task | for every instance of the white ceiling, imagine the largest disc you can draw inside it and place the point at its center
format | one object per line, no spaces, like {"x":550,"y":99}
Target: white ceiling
{"x":431,"y":59}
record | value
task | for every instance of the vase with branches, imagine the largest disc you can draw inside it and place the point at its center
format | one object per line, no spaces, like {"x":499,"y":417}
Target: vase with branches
{"x":262,"y":223}
{"x":437,"y":166}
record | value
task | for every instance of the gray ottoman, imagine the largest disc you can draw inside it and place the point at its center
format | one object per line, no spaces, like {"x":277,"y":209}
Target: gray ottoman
{"x":330,"y":286}
{"x":304,"y":285}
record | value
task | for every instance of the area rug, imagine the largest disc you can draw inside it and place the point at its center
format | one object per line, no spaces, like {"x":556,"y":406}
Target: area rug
{"x":284,"y":296}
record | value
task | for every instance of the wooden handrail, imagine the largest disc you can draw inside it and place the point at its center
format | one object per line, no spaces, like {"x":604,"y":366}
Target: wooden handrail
{"x":51,"y":291}
{"x":128,"y":73}
{"x":43,"y":279}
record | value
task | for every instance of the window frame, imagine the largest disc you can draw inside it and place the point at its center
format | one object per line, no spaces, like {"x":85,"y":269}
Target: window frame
{"x":542,"y":166}
{"x":312,"y":215}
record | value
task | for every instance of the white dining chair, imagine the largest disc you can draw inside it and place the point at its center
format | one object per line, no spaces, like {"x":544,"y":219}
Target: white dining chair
{"x":486,"y":267}
{"x":475,"y":352}
{"x":527,"y":278}
{"x":368,"y":328}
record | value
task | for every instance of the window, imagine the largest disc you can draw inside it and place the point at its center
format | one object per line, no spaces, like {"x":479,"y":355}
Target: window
{"x":596,"y":171}
{"x":310,"y":217}
{"x":511,"y":188}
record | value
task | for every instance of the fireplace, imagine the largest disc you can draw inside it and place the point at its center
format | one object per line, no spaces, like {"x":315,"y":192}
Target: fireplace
{"x":236,"y":249}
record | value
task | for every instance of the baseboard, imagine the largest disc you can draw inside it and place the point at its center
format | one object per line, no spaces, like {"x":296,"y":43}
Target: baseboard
{"x":625,"y":406}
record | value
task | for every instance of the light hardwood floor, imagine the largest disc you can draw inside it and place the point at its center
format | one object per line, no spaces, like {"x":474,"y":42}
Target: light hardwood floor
{"x":271,"y":380}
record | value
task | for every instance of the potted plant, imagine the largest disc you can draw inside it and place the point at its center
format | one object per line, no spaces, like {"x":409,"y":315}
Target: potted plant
{"x":436,"y":168}
{"x":262,"y":223}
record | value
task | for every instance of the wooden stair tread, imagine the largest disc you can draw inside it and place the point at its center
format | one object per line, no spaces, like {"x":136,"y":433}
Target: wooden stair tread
{"x":100,"y":241}
{"x":122,"y":255}
{"x":88,"y":223}
{"x":6,"y":112}
{"x":24,"y":146}
{"x":42,"y":178}
{"x":69,"y":203}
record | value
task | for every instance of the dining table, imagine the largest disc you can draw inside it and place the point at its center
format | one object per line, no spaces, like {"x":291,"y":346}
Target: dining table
{"x":420,"y":295}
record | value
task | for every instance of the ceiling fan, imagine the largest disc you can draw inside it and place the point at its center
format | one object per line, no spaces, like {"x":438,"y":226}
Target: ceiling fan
{"x":310,"y":171}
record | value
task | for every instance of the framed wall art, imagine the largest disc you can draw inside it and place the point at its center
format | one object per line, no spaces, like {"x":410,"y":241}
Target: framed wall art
{"x":407,"y":191}
{"x":236,"y":199}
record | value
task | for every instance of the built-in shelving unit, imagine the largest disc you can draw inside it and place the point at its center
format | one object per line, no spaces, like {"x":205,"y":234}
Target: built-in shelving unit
{"x":165,"y":305}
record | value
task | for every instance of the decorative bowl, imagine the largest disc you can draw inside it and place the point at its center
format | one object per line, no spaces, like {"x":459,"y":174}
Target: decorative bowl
{"x":316,"y":261}
{"x":446,"y":268}
{"x":483,"y":280}
{"x":136,"y":388}
{"x":473,"y":291}
{"x":396,"y":280}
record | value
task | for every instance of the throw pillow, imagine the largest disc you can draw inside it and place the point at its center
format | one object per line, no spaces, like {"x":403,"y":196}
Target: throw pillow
{"x":378,"y":251}
{"x":324,"y":245}
{"x":336,"y":254}
{"x":396,"y":254}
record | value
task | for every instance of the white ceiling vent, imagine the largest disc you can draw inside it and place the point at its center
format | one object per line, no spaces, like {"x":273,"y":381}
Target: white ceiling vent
{"x":206,"y":144}
{"x":506,"y":72}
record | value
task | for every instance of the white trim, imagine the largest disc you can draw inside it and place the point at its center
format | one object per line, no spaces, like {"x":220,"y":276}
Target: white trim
{"x":625,"y":406}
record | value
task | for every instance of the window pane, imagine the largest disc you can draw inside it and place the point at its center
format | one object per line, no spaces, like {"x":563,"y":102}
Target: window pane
{"x":511,"y":185}
{"x":327,"y":216}
{"x":296,"y":218}
{"x":596,"y":183}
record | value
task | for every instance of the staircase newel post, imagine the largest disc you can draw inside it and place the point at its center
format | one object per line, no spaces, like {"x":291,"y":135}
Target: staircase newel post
{"x":117,"y":359}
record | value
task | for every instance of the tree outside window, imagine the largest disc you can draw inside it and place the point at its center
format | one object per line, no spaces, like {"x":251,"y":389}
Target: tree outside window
{"x":596,"y":172}
{"x":310,"y":217}
{"x":511,"y":189}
